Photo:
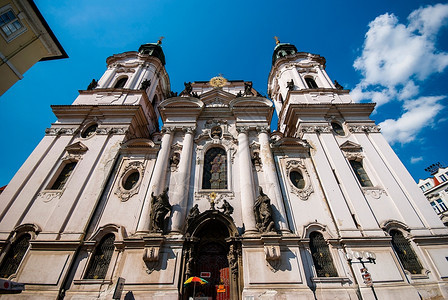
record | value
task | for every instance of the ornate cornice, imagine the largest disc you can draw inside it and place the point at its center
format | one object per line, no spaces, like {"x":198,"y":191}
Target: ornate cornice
{"x":315,"y":129}
{"x":363,"y":128}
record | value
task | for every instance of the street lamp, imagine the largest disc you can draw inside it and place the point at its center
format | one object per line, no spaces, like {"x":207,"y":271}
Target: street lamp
{"x":369,"y":257}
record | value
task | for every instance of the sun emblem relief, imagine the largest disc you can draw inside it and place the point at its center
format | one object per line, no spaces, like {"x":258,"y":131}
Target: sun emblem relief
{"x":218,"y":81}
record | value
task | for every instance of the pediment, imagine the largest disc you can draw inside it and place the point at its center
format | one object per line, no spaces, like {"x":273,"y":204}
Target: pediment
{"x":217,"y":98}
{"x":350,"y":146}
{"x":139,"y":143}
{"x":76,"y":148}
{"x":176,"y":102}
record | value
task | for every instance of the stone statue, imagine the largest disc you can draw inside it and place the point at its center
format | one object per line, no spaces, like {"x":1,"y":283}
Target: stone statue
{"x":175,"y":159}
{"x":232,"y":257}
{"x":248,"y":89}
{"x":172,"y":94}
{"x":194,"y":212}
{"x":263,"y":213}
{"x":290,"y":85}
{"x":92,"y":85}
{"x":227,"y":208}
{"x":338,"y":86}
{"x":190,"y":263}
{"x":239,"y":94}
{"x":256,"y":160}
{"x":159,"y":209}
{"x":145,"y":84}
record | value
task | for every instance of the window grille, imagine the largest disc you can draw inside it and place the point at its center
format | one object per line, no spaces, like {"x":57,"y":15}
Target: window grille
{"x":101,"y":258}
{"x":60,"y":182}
{"x":14,"y":256}
{"x":215,"y":169}
{"x":405,"y":253}
{"x":360,"y":173}
{"x":321,"y":256}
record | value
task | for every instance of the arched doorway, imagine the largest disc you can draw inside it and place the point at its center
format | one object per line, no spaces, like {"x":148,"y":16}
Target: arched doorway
{"x":212,"y":251}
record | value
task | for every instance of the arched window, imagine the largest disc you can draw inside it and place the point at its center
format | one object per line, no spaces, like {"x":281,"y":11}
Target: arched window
{"x":120,"y":83}
{"x":63,"y":176}
{"x":100,"y":261}
{"x":405,"y":253}
{"x":89,"y":131}
{"x":321,"y":256}
{"x":360,"y":173}
{"x":311,"y":83}
{"x":215,"y":169}
{"x":337,"y":128}
{"x":14,"y":256}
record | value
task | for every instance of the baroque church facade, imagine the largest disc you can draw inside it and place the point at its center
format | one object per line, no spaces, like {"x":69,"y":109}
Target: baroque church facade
{"x":110,"y":207}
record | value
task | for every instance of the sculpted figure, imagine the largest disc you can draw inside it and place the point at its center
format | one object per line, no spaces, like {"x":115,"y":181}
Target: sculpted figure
{"x":248,"y":89}
{"x":194,"y":212}
{"x":92,"y":85}
{"x":290,"y":85}
{"x":159,"y":209}
{"x":227,"y":208}
{"x":263,"y":213}
{"x":145,"y":84}
{"x":175,"y":159}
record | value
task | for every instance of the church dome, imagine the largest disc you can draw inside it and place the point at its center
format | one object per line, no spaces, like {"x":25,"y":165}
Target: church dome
{"x":282,"y":50}
{"x":153,"y":49}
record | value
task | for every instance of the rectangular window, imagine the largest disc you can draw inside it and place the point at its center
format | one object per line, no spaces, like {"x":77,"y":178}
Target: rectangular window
{"x":443,"y":178}
{"x":434,"y":206}
{"x":427,"y":185}
{"x":360,"y":173}
{"x":63,"y":176}
{"x":9,"y":23}
{"x":442,"y":205}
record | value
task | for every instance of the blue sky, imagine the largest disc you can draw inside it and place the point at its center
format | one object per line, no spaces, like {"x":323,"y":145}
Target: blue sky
{"x":394,"y":52}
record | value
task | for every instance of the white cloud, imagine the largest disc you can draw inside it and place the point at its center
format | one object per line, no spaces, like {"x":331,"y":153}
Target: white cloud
{"x":418,"y":114}
{"x":415,"y":160}
{"x":394,"y":53}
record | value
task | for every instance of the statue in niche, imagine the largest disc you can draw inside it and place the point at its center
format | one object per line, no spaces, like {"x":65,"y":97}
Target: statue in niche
{"x":92,"y":85}
{"x":145,"y":84}
{"x":256,"y":160}
{"x":174,"y":160}
{"x":290,"y":85}
{"x":194,"y":212}
{"x":190,"y":263}
{"x":338,"y":86}
{"x":232,"y":257}
{"x":160,"y":207}
{"x":248,"y":89}
{"x":263,"y":213}
{"x":227,"y":208}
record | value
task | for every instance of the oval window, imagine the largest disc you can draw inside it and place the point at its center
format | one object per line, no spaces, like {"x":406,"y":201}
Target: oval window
{"x":297,"y":179}
{"x":337,"y":128}
{"x":89,"y":131}
{"x":131,"y":180}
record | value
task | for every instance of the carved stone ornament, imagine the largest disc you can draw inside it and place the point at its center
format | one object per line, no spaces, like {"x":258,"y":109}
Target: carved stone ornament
{"x":160,"y":209}
{"x":218,"y":196}
{"x":358,"y":156}
{"x":363,"y":128}
{"x":315,"y":129}
{"x":151,"y":258}
{"x":123,"y":193}
{"x":60,"y":131}
{"x":215,"y":122}
{"x":374,"y":192}
{"x":47,"y":196}
{"x":111,"y":130}
{"x":299,"y":165}
{"x":71,"y":157}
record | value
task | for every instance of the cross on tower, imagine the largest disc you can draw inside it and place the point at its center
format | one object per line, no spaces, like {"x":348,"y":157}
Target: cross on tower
{"x":160,"y":40}
{"x":277,"y":41}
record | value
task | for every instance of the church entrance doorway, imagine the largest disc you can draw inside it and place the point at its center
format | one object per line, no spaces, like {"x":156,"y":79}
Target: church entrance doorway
{"x":213,"y":253}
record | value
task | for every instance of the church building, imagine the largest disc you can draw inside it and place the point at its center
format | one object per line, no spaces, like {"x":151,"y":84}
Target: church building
{"x":112,"y":204}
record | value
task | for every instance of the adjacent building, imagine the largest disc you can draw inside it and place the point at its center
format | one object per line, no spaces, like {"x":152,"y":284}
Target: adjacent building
{"x":25,"y":39}
{"x":114,"y":204}
{"x":435,"y":188}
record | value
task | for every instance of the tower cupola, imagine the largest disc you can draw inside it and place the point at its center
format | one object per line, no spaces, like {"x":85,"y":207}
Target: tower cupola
{"x":153,"y":49}
{"x":282,"y":50}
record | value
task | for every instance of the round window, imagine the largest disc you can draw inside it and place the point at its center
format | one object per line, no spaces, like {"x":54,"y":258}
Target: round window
{"x":89,"y":131}
{"x":297,"y":179}
{"x":131,"y":180}
{"x":337,"y":128}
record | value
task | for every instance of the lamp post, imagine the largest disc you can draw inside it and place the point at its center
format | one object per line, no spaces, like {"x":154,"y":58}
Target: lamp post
{"x":363,"y":258}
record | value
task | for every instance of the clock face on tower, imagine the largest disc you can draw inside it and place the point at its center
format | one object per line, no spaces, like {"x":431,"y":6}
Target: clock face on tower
{"x":218,"y":81}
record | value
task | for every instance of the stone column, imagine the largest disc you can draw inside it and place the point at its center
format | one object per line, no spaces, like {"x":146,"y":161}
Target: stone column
{"x":272,"y":183}
{"x":157,"y":183}
{"x":183,"y":182}
{"x":246,"y":181}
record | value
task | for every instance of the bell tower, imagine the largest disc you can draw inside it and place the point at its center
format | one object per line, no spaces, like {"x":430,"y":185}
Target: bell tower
{"x":132,"y":78}
{"x":299,"y":78}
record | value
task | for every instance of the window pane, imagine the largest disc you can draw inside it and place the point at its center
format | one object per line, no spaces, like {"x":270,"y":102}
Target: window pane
{"x":6,"y":30}
{"x":215,"y":169}
{"x":14,"y":256}
{"x":101,"y":258}
{"x":297,"y":179}
{"x":360,"y":173}
{"x":131,"y":180}
{"x":63,"y":176}
{"x":405,"y":253}
{"x":321,"y":256}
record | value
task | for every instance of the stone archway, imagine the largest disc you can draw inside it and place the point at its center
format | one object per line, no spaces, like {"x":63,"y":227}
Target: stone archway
{"x":212,"y":250}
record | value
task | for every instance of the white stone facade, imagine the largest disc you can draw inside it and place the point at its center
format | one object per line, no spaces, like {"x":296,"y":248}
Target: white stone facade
{"x":279,"y":215}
